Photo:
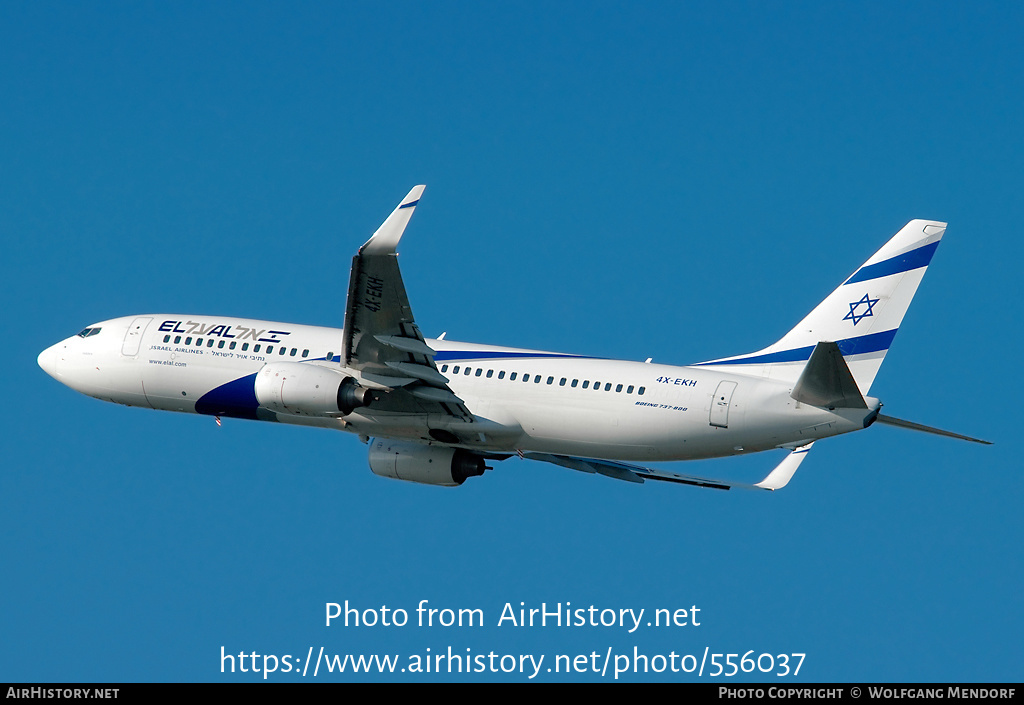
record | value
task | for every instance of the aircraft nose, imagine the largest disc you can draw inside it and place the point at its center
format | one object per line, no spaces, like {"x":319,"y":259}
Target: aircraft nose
{"x":48,"y":360}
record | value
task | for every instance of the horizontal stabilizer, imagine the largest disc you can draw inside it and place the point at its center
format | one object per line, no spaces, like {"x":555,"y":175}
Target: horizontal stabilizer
{"x":827,"y":381}
{"x":893,"y":421}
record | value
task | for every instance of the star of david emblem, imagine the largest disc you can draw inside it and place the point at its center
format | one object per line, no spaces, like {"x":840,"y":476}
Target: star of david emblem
{"x":854,"y":316}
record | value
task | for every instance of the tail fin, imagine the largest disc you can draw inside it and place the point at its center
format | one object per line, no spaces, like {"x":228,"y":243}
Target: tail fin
{"x":861,"y":316}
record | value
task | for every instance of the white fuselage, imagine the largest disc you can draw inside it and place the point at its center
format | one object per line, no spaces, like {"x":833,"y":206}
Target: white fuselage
{"x":520,"y":399}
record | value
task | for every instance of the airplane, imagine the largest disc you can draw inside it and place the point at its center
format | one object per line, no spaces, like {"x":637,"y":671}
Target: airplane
{"x":435,"y":411}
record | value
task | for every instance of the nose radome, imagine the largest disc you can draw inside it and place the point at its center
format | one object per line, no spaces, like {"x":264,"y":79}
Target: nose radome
{"x":48,"y":360}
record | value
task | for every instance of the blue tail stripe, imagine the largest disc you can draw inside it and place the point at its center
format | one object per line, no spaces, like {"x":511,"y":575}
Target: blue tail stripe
{"x":850,"y":346}
{"x":894,"y":265}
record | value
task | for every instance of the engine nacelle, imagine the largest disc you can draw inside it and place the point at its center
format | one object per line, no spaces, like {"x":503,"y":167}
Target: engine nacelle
{"x":429,"y":465}
{"x":301,"y":389}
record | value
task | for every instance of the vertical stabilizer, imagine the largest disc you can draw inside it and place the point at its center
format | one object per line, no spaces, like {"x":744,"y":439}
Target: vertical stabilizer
{"x":861,"y":317}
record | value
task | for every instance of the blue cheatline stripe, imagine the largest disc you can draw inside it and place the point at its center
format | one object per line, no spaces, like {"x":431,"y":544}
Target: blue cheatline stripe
{"x":850,"y":346}
{"x":894,"y":265}
{"x":446,"y":355}
{"x":236,"y":398}
{"x":409,"y":205}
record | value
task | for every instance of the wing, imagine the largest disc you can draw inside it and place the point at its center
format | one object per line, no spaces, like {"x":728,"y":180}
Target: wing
{"x":381,"y":341}
{"x":776,"y":479}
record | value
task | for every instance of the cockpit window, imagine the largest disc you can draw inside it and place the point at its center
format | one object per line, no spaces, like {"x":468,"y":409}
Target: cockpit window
{"x":89,"y":332}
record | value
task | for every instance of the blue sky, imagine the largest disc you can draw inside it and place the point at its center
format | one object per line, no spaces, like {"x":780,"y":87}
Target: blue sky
{"x":680,"y":181}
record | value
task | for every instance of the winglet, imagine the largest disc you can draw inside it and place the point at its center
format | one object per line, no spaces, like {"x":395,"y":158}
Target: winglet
{"x":783,"y":472}
{"x":385,"y":240}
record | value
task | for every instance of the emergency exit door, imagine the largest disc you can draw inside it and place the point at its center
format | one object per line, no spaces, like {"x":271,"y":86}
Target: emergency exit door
{"x":720,"y":404}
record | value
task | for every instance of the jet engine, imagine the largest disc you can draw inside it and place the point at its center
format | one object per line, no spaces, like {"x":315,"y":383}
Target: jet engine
{"x":429,"y":465}
{"x":308,"y":390}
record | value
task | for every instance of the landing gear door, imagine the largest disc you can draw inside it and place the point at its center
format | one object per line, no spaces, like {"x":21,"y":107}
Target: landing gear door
{"x":133,"y":338}
{"x":720,"y":404}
